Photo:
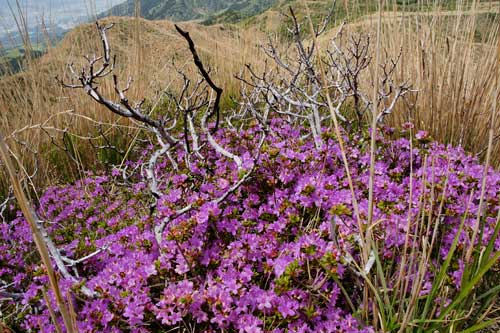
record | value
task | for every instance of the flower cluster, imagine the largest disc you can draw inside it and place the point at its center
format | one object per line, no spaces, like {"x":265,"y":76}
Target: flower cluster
{"x":272,"y":257}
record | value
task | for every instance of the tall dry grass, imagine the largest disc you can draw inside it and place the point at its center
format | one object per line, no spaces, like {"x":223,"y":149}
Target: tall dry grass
{"x":52,"y":130}
{"x":450,"y":61}
{"x":449,"y":56}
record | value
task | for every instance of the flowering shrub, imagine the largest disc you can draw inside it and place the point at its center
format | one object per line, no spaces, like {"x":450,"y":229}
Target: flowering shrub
{"x":276,"y":255}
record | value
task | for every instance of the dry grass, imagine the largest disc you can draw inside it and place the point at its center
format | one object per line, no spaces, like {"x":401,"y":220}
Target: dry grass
{"x":448,"y":56}
{"x":452,"y":69}
{"x":37,"y":111}
{"x":448,"y":52}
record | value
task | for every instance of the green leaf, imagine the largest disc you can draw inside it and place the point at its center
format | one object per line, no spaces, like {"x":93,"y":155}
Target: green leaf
{"x":438,"y":281}
{"x":479,"y":326}
{"x":466,"y":289}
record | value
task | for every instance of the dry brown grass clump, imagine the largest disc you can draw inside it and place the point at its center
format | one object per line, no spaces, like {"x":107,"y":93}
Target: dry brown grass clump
{"x":448,"y":56}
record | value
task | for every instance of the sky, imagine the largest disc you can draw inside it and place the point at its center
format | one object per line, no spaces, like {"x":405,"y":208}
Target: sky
{"x":63,"y":13}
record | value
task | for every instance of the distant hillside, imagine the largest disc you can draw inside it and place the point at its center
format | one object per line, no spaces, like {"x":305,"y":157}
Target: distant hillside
{"x":11,"y":60}
{"x":185,"y":10}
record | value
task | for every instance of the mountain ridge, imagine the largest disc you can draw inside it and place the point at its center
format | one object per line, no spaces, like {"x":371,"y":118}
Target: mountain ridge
{"x":187,"y":10}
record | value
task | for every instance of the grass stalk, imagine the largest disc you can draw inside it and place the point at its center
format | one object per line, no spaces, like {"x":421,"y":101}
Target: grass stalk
{"x":30,"y":216}
{"x":373,"y":146}
{"x":338,"y":134}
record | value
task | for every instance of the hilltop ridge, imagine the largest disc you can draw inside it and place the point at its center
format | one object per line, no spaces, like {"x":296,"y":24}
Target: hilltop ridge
{"x":186,"y":10}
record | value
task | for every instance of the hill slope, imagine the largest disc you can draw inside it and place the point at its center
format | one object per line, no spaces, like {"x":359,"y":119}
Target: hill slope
{"x":184,"y":10}
{"x":33,"y":97}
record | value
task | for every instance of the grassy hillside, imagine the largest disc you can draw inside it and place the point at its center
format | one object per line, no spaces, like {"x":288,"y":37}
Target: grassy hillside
{"x":37,"y":111}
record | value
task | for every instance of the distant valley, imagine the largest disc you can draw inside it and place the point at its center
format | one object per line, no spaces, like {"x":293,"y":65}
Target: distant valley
{"x":63,"y":13}
{"x":40,"y":20}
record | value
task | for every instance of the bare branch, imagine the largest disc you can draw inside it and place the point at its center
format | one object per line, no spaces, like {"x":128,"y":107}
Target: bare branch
{"x":327,"y":20}
{"x":204,"y":74}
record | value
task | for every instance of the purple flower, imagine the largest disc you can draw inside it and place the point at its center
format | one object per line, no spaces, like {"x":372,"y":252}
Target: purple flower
{"x":422,"y":135}
{"x":266,"y":258}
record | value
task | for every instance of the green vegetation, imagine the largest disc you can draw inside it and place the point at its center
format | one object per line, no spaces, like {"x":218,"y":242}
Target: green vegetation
{"x":211,"y":11}
{"x":12,"y":59}
{"x":239,"y":11}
